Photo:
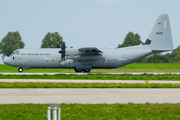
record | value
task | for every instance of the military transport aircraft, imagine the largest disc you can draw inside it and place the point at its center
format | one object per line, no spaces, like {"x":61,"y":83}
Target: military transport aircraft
{"x":87,"y":58}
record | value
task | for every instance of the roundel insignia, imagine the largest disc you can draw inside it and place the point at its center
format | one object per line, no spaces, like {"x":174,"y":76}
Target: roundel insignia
{"x":124,"y":56}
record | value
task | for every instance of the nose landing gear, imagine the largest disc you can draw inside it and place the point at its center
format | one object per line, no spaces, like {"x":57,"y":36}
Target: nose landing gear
{"x":20,"y":69}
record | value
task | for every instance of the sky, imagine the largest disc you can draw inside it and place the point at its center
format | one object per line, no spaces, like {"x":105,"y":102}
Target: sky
{"x":85,"y":23}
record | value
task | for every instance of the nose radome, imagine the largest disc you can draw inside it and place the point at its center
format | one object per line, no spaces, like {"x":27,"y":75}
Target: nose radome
{"x":6,"y":61}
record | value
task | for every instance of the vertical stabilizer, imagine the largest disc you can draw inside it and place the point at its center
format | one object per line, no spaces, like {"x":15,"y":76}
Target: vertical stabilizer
{"x":160,"y":37}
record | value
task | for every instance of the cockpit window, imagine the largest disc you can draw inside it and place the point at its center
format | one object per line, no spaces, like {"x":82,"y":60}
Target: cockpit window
{"x":12,"y":53}
{"x":16,"y":53}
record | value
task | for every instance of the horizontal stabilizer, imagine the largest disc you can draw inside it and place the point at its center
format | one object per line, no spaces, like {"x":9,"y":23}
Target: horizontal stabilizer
{"x":161,"y":50}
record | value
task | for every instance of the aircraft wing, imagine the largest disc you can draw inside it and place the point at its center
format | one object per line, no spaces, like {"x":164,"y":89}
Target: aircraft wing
{"x":86,"y":53}
{"x":89,"y":50}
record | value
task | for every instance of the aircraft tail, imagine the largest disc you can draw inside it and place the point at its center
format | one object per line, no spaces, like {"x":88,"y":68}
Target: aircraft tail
{"x":160,"y":38}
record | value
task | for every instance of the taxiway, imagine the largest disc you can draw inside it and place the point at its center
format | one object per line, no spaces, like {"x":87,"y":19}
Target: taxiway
{"x":88,"y":96}
{"x":90,"y":81}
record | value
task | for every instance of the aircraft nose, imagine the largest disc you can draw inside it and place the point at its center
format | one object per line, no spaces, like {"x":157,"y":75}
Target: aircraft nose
{"x":6,"y":61}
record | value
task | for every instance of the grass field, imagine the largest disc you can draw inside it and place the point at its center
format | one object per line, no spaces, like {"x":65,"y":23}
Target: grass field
{"x":84,"y":85}
{"x":96,"y":77}
{"x":93,"y":111}
{"x":135,"y":67}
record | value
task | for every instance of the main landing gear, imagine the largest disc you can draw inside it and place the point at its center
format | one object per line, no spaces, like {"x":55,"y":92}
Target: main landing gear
{"x":20,"y":69}
{"x":80,"y":70}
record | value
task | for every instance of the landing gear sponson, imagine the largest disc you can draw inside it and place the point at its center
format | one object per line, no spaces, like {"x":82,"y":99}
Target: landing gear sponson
{"x":20,"y":69}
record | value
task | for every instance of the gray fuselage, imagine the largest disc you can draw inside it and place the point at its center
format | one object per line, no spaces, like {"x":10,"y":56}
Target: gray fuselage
{"x":50,"y":58}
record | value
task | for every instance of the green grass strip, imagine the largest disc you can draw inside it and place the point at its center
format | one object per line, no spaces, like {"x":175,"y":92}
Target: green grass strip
{"x":84,"y":85}
{"x":134,"y":67}
{"x":93,"y":111}
{"x":96,"y":77}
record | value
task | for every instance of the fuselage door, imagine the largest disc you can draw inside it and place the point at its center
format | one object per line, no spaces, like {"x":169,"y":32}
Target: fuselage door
{"x":104,"y":62}
{"x":27,"y":63}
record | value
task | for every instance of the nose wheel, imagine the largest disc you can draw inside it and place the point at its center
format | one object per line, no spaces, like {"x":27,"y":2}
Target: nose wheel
{"x":20,"y":69}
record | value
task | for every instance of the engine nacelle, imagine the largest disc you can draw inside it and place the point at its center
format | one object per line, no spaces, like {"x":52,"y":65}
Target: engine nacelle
{"x":68,"y":63}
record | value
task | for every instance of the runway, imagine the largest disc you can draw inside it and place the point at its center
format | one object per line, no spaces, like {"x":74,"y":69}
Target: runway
{"x":90,"y":81}
{"x":69,"y":73}
{"x":88,"y":96}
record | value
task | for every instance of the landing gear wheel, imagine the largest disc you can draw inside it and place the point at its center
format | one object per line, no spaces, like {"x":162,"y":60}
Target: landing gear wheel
{"x":20,"y":69}
{"x":78,"y":70}
{"x":87,"y":70}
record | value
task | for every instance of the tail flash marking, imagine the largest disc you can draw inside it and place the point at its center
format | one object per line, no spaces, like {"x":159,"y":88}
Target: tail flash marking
{"x":165,"y":24}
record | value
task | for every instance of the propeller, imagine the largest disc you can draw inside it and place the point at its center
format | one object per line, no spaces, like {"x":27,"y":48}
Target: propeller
{"x":62,"y":51}
{"x":58,"y":44}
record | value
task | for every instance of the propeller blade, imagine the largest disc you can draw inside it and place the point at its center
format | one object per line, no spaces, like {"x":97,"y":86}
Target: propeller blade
{"x":63,"y":45}
{"x":58,"y":44}
{"x":62,"y":51}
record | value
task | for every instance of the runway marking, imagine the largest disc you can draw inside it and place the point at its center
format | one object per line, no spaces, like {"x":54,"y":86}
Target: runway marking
{"x":91,"y":95}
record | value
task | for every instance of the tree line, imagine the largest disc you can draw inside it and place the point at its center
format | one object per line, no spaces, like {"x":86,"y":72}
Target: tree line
{"x":132,"y":39}
{"x":13,"y":41}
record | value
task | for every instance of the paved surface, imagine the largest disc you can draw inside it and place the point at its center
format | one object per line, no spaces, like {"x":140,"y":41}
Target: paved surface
{"x":89,"y":81}
{"x":54,"y":73}
{"x":90,"y":95}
